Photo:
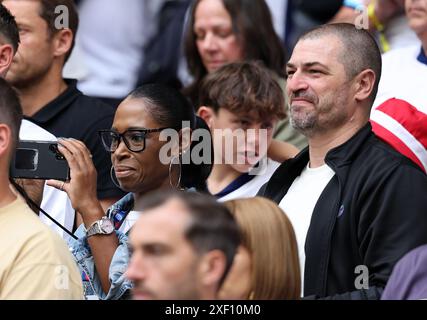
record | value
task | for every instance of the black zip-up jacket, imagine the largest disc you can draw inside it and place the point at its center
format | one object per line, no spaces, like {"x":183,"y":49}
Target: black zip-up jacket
{"x":372,"y":212}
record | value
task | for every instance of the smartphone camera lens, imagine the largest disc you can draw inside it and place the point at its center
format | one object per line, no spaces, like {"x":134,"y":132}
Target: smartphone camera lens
{"x":54,"y":149}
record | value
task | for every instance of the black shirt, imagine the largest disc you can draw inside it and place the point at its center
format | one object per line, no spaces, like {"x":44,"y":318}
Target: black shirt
{"x":74,"y":115}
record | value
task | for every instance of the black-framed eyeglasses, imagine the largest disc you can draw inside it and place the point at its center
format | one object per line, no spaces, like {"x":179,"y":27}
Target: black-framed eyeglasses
{"x":134,"y":139}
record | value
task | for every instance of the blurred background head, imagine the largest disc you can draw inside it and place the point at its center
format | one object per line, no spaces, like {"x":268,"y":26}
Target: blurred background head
{"x":45,"y":44}
{"x":183,"y":246}
{"x":9,"y":39}
{"x":416,"y":12}
{"x":225,"y":31}
{"x":266,"y":265}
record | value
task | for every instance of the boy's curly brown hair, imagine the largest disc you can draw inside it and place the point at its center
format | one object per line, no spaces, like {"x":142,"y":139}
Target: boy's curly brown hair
{"x":244,"y":88}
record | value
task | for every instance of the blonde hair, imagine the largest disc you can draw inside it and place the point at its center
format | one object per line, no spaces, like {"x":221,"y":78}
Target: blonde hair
{"x":268,"y":235}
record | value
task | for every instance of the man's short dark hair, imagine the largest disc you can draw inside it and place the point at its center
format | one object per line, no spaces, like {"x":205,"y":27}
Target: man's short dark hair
{"x":8,"y":28}
{"x":212,"y":226}
{"x":360,"y":51}
{"x":47,"y":13}
{"x":10,"y":110}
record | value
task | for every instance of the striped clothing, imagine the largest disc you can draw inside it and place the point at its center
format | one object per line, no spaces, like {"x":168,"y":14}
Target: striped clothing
{"x":399,"y":116}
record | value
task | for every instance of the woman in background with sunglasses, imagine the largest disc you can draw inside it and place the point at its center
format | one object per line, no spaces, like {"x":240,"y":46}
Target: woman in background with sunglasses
{"x":140,"y":165}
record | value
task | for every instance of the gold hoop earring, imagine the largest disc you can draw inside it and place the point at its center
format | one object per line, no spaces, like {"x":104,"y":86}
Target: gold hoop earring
{"x":114,"y":178}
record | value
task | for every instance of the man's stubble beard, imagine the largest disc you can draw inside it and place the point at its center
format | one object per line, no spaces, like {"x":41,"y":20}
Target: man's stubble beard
{"x":310,"y":123}
{"x":21,"y":79}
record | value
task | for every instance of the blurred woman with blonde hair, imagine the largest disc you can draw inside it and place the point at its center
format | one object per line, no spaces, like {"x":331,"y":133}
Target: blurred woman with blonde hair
{"x":266,"y":266}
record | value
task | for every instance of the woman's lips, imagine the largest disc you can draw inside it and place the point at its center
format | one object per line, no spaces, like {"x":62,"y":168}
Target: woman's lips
{"x":214,"y":64}
{"x":122,"y":172}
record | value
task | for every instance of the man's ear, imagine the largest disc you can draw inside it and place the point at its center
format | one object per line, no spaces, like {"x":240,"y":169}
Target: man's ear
{"x":207,"y":114}
{"x":63,"y":40}
{"x":6,"y":56}
{"x":364,"y":83}
{"x":212,"y":268}
{"x":5,"y":140}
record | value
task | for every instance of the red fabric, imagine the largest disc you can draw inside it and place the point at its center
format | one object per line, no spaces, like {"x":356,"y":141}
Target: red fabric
{"x":413,"y":120}
{"x":395,"y":142}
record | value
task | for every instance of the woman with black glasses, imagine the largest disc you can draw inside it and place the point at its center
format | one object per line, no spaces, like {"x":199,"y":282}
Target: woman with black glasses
{"x":150,"y":143}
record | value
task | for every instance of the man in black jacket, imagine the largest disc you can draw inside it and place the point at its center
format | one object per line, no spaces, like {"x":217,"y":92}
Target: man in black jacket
{"x":357,"y":205}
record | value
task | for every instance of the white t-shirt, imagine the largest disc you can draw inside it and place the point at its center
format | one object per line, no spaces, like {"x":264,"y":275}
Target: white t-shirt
{"x":404,"y":77}
{"x":251,"y":188}
{"x":55,"y":202}
{"x":299,"y":203}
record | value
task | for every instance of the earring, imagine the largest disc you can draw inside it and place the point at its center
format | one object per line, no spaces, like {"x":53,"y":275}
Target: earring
{"x":178,"y":184}
{"x":114,"y":178}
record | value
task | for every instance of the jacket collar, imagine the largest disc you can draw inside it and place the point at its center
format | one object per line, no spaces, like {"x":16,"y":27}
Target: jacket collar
{"x":124,"y":205}
{"x":336,"y":158}
{"x":339,"y":156}
{"x":285,"y":175}
{"x":346,"y":153}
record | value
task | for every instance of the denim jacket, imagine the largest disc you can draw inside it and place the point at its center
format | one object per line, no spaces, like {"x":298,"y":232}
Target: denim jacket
{"x":82,"y":253}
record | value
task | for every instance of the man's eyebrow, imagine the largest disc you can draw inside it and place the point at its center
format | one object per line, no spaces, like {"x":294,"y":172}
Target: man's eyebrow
{"x":315,"y":63}
{"x":308,"y":64}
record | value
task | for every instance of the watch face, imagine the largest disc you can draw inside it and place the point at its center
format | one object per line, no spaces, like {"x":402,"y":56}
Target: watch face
{"x":107,"y":226}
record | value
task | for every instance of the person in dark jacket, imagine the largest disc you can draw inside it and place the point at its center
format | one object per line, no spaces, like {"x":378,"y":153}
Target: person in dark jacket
{"x":356,"y":204}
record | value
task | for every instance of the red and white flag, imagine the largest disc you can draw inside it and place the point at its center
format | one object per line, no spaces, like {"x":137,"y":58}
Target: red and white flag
{"x":404,"y":127}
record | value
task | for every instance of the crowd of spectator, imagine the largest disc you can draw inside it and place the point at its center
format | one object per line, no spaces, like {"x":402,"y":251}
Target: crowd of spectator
{"x":217,"y":149}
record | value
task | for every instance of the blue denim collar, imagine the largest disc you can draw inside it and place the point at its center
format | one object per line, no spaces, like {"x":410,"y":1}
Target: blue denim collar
{"x":118,"y":211}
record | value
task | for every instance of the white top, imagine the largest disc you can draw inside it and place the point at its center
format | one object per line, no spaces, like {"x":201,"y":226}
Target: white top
{"x":55,"y":202}
{"x":399,"y":34}
{"x":278,"y":9}
{"x":31,"y":131}
{"x":404,"y":77}
{"x":251,"y":188}
{"x":299,"y":203}
{"x":111,"y":38}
